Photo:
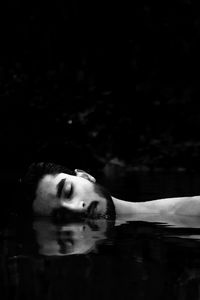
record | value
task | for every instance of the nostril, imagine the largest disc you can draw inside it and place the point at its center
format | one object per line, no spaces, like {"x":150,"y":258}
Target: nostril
{"x":83,"y":204}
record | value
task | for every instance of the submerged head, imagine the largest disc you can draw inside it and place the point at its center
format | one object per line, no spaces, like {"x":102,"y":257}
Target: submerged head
{"x":55,"y":190}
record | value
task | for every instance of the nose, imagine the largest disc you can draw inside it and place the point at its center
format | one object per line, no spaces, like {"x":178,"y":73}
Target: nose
{"x":74,"y":205}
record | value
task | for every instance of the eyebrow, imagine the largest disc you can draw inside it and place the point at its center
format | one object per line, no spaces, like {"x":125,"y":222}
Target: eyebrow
{"x":60,"y":186}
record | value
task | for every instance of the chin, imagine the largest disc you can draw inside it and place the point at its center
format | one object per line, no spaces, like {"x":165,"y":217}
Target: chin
{"x":109,"y":213}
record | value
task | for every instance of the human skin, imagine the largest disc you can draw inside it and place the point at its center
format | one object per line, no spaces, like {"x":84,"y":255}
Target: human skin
{"x":74,"y":193}
{"x":175,"y":211}
{"x":77,"y":193}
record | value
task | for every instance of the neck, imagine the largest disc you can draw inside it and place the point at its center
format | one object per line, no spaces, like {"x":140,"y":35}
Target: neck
{"x":125,"y":208}
{"x":141,"y":210}
{"x":178,"y":212}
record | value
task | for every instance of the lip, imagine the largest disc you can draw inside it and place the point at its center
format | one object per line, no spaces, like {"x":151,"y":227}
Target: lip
{"x":92,"y":209}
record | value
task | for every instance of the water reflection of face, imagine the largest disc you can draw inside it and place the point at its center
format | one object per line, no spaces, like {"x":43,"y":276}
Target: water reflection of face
{"x":69,"y":239}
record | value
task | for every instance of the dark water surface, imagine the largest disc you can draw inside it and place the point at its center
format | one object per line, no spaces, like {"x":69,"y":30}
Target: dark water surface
{"x":105,"y":259}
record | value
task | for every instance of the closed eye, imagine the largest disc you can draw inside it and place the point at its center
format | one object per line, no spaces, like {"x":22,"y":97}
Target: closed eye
{"x":60,"y":186}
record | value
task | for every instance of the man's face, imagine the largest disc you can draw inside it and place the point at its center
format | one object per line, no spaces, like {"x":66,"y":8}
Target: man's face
{"x":71,"y":193}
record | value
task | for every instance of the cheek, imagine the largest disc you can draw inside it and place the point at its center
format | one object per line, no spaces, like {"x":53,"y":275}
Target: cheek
{"x":83,"y":193}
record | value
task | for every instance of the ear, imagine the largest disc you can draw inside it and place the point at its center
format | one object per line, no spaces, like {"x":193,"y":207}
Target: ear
{"x":83,"y":174}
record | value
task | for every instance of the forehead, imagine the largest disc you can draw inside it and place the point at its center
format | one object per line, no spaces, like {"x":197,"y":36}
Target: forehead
{"x":51,"y":179}
{"x":48,"y":184}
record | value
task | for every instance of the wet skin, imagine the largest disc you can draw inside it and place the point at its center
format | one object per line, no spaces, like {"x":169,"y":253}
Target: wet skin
{"x":75,"y":194}
{"x":78,"y":194}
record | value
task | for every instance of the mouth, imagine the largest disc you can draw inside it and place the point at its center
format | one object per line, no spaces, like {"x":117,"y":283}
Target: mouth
{"x":92,"y":212}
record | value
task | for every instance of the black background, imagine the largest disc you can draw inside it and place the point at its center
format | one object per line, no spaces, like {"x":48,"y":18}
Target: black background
{"x":85,"y":85}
